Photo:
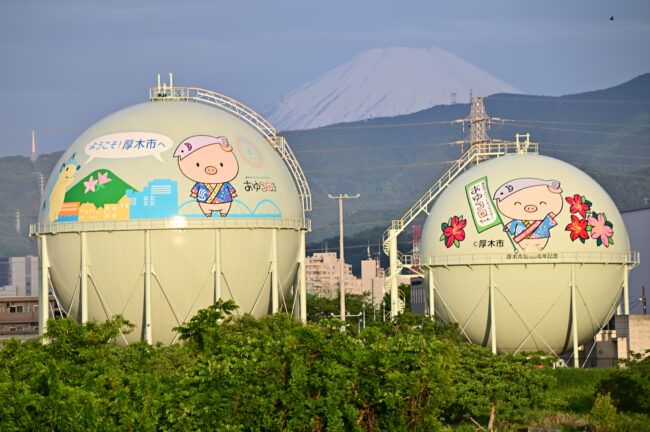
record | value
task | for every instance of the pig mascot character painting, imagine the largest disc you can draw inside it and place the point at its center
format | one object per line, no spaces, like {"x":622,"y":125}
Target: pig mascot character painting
{"x":210,"y":162}
{"x":532,"y":204}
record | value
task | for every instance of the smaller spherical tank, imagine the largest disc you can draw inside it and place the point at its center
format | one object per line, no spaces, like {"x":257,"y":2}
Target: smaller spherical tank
{"x":525,"y":252}
{"x":159,"y":208}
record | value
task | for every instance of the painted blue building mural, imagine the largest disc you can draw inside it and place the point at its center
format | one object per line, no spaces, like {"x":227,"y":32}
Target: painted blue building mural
{"x":157,"y":200}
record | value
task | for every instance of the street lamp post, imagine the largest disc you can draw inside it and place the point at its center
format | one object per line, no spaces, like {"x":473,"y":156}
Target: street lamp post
{"x":340,"y":197}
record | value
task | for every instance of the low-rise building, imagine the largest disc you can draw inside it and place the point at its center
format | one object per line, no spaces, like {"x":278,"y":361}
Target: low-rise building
{"x":19,"y":316}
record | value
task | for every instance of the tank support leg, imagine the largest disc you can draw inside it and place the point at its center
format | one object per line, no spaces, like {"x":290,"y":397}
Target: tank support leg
{"x":275,"y":302}
{"x":626,"y":291}
{"x":217,"y":265}
{"x":393,"y":273}
{"x":574,"y":318}
{"x":147,"y":287}
{"x":493,"y":324}
{"x":83,"y":275}
{"x":432,"y":293}
{"x":302,"y":278}
{"x":43,"y":295}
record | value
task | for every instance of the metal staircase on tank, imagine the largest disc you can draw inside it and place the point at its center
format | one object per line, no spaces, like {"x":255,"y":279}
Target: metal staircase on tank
{"x":476,"y":154}
{"x":240,"y":110}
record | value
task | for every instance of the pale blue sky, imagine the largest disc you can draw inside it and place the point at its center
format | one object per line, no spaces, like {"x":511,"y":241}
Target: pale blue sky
{"x":68,"y":63}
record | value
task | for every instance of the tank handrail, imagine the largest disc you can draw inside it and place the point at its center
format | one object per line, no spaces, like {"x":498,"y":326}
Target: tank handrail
{"x":166,"y":224}
{"x":476,"y":258}
{"x":208,"y":96}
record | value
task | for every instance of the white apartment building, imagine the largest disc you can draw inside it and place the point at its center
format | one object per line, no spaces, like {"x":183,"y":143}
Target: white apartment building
{"x":323,"y":273}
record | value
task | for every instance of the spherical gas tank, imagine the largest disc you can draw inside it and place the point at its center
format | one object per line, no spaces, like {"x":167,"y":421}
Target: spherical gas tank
{"x":160,"y":208}
{"x":526,"y":253}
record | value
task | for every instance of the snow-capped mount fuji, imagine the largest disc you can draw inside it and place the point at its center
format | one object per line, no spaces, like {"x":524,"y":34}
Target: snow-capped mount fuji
{"x":383,"y":82}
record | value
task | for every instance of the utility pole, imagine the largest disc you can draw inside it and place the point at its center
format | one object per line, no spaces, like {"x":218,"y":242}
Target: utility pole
{"x":643,"y":299}
{"x":340,"y":197}
{"x":18,"y":221}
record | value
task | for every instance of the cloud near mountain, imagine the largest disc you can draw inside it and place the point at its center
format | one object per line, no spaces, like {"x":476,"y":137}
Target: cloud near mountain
{"x":383,"y":83}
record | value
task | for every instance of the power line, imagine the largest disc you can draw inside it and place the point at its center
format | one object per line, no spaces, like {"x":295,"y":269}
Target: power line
{"x":413,"y":165}
{"x":577,"y":123}
{"x":392,"y":146}
{"x":326,"y":128}
{"x":581,"y":131}
{"x":560,"y":99}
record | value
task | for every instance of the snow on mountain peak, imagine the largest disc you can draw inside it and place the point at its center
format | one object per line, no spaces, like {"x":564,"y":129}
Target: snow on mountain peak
{"x":383,"y":82}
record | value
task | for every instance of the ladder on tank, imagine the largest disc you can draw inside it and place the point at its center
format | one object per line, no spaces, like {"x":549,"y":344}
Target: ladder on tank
{"x":258,"y":122}
{"x":476,"y":154}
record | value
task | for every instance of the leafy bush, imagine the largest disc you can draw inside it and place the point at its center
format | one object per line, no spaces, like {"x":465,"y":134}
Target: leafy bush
{"x":490,"y":386}
{"x":276,"y":374}
{"x":629,"y":386}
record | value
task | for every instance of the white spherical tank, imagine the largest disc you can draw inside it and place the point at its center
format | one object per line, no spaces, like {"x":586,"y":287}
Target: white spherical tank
{"x":526,"y":253}
{"x":160,"y":208}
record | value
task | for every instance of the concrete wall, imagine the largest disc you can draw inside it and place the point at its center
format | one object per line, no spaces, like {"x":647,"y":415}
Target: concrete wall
{"x":632,"y":334}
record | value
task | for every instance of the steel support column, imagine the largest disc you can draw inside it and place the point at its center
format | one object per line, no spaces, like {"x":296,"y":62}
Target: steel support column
{"x":394,"y":296}
{"x":574,"y":318}
{"x":217,"y":265}
{"x":302,"y":278}
{"x":43,"y":294}
{"x":83,"y":275}
{"x":432,"y":293}
{"x":493,"y":324}
{"x":275,"y":302}
{"x":626,"y":291}
{"x":147,"y":288}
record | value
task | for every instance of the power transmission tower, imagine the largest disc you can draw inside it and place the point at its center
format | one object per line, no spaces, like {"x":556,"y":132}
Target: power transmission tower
{"x":479,"y":123}
{"x":41,"y":182}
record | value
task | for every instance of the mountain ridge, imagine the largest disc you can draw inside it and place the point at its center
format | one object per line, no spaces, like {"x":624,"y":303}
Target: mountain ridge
{"x":382,"y":82}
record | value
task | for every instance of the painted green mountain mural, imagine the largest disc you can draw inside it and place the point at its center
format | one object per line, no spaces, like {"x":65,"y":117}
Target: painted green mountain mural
{"x":100,"y":187}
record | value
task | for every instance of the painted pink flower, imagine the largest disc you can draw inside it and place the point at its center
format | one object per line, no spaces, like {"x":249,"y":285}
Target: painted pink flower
{"x":601,"y":229}
{"x":103,"y":178}
{"x":90,"y":184}
{"x":453,"y":232}
{"x":578,"y":205}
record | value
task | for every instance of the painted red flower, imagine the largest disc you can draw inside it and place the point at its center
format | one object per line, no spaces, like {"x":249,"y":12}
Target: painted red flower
{"x":579,"y":204}
{"x":578,"y":229}
{"x":453,"y":232}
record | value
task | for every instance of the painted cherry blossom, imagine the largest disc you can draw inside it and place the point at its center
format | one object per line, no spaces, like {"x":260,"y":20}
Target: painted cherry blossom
{"x":90,"y":184}
{"x":453,"y":232}
{"x":601,"y":229}
{"x":103,"y":178}
{"x":579,"y":205}
{"x":578,"y":229}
